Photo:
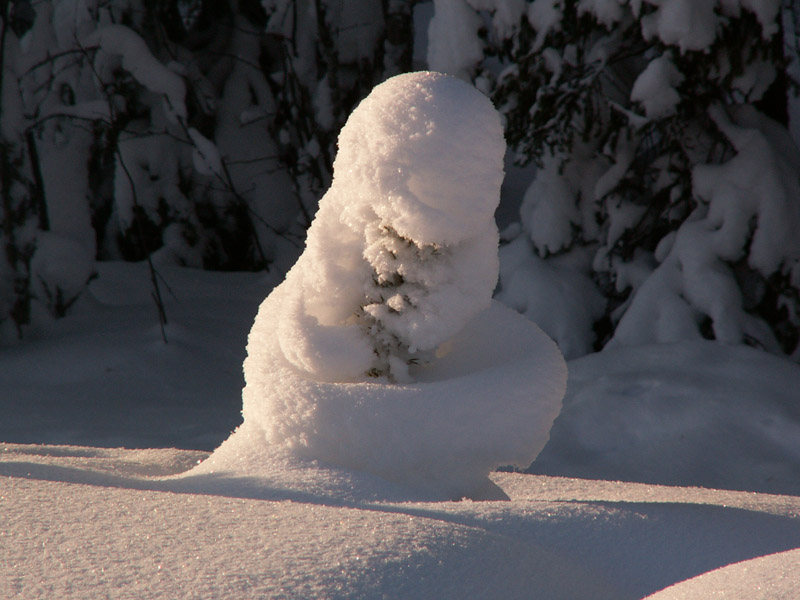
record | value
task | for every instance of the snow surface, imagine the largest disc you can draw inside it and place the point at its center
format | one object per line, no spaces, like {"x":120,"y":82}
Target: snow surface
{"x":86,"y":522}
{"x":453,"y":43}
{"x":767,"y":578}
{"x":103,"y":376}
{"x":691,"y":413}
{"x":90,"y":521}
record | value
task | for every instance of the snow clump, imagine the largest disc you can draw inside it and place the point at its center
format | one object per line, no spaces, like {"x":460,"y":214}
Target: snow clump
{"x":403,"y":250}
{"x":382,"y":351}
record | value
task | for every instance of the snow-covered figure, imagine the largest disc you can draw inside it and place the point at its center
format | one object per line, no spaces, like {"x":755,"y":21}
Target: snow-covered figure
{"x":402,"y":252}
{"x":382,"y":350}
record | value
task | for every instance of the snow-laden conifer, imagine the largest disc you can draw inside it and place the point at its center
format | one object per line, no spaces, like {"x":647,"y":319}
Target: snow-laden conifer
{"x":382,"y":350}
{"x":640,"y":116}
{"x":403,"y":250}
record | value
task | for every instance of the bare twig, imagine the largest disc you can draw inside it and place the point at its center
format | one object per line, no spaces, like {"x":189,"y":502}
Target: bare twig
{"x":83,"y":51}
{"x":154,"y":276}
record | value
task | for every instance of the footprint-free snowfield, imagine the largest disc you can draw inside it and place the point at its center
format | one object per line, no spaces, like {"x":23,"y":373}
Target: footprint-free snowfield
{"x":85,"y":521}
{"x":91,"y":523}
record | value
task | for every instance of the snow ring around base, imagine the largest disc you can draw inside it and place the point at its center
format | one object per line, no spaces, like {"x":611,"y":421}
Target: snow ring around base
{"x":490,"y":401}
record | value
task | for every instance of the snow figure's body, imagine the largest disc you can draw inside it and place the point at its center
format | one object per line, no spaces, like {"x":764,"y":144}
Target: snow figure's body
{"x":382,"y":351}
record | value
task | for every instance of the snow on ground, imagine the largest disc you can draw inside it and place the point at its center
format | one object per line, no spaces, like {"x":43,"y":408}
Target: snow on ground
{"x":93,"y":521}
{"x":776,"y":575}
{"x":103,"y":376}
{"x":83,"y":522}
{"x":689,"y":413}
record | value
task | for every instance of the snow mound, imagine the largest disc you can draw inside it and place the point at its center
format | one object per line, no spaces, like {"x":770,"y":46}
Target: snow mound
{"x":771,"y":577}
{"x":424,"y":152}
{"x":382,"y":352}
{"x":689,"y":413}
{"x":489,"y":402}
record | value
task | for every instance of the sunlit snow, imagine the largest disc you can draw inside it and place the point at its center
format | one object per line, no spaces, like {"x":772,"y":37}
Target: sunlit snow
{"x":87,"y":521}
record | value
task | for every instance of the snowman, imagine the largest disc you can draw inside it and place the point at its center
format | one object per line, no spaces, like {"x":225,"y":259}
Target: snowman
{"x":382,"y":351}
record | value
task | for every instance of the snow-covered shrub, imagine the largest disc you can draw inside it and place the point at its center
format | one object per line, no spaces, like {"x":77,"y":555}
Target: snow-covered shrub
{"x":382,"y":351}
{"x":327,"y":56}
{"x":178,"y":171}
{"x":42,"y":270}
{"x":662,"y":201}
{"x":402,"y":252}
{"x":191,"y":132}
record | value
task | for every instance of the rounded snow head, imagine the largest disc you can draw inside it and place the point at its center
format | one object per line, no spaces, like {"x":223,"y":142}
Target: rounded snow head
{"x":402,"y":252}
{"x":424,"y":151}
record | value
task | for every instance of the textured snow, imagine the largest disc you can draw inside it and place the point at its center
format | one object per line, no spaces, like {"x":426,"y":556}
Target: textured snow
{"x":766,"y":11}
{"x":549,"y":210}
{"x":398,"y":272}
{"x":403,"y":248}
{"x":687,"y":24}
{"x":557,"y":293}
{"x":505,"y":14}
{"x":607,"y":12}
{"x":771,"y":577}
{"x":453,"y":43}
{"x":426,"y":152}
{"x":693,"y":24}
{"x":87,"y":522}
{"x":545,"y":16}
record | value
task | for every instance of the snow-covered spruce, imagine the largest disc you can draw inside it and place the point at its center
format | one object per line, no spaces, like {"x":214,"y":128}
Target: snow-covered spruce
{"x":637,"y":115}
{"x":382,"y":350}
{"x":403,"y":250}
